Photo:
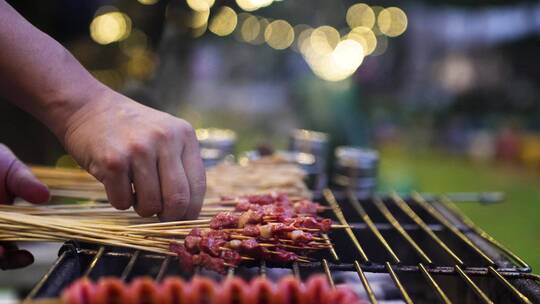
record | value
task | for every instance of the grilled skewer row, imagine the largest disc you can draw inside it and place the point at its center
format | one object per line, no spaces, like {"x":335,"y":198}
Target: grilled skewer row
{"x":172,"y":290}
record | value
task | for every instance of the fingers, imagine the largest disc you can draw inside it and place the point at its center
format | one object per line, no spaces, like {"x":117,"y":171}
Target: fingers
{"x":118,"y":185}
{"x":195,"y":172}
{"x":11,"y":257}
{"x":146,"y":181}
{"x":19,"y":181}
{"x":174,"y":185}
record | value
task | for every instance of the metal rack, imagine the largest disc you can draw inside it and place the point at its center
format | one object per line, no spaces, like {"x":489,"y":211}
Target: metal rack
{"x":423,"y":244}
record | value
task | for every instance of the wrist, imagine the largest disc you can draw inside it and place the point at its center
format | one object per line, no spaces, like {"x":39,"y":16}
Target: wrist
{"x":65,"y":106}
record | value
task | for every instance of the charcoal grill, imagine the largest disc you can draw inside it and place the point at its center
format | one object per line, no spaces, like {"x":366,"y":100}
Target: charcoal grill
{"x":413,"y":249}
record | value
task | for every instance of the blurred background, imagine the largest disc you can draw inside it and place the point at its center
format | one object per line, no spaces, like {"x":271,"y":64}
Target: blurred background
{"x":447,"y":91}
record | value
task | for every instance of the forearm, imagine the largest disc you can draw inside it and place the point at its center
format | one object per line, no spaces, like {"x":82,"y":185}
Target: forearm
{"x":40,"y":75}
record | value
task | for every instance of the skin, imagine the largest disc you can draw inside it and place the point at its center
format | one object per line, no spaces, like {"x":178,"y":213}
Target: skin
{"x":119,"y":141}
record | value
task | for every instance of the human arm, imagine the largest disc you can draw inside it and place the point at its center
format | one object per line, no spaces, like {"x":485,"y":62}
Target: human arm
{"x":118,"y":140}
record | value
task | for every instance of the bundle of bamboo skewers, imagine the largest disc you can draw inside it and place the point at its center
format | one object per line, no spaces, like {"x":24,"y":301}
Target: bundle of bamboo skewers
{"x":99,"y":223}
{"x":269,"y":174}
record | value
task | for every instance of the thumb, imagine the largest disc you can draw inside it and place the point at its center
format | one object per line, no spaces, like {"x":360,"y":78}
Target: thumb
{"x":22,"y":183}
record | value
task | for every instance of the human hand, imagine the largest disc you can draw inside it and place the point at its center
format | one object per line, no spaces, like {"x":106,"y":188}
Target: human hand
{"x":121,"y":142}
{"x":16,"y":180}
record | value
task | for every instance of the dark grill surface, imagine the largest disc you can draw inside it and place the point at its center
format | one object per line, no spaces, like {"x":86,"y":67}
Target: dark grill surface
{"x":413,"y":250}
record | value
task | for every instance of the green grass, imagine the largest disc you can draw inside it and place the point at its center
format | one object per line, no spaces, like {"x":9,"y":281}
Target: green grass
{"x":515,"y":222}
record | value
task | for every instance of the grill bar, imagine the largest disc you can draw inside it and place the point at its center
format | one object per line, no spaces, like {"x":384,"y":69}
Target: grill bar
{"x":129,"y":266}
{"x":296,"y":270}
{"x":359,"y":260}
{"x":94,"y":261}
{"x":339,"y":214}
{"x":469,"y":223}
{"x":328,"y":273}
{"x":163,"y":268}
{"x":442,"y":296}
{"x":365,"y":217}
{"x":398,"y":283}
{"x":485,"y":299}
{"x":45,"y":277}
{"x":395,"y":223}
{"x":508,"y":285}
{"x":365,"y":282}
{"x":439,"y":217}
{"x":405,"y":208}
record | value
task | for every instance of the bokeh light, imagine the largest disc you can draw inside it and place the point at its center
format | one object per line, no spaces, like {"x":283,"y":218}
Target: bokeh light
{"x":252,"y":5}
{"x":148,"y":2}
{"x":303,"y":40}
{"x":136,"y":41}
{"x":324,"y":39}
{"x":141,"y":64}
{"x":223,"y":22}
{"x":250,"y":29}
{"x":360,"y":14}
{"x":365,"y":37}
{"x":200,"y":5}
{"x":328,"y":57}
{"x":279,"y":34}
{"x":199,"y":19}
{"x":110,"y":27}
{"x":392,"y":21}
{"x":298,"y":30}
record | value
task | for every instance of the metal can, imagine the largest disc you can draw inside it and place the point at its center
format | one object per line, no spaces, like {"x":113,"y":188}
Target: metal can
{"x":356,"y":170}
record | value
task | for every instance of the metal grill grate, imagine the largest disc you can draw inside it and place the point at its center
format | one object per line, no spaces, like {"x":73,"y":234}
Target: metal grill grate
{"x":424,"y":248}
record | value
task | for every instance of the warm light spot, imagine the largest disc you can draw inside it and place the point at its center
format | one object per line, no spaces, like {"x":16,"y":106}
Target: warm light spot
{"x":348,"y":55}
{"x":392,"y":21}
{"x":365,"y":37}
{"x":338,"y":64}
{"x":135,"y":42}
{"x":199,"y":31}
{"x":324,"y":39}
{"x":360,"y":14}
{"x":110,"y":77}
{"x":224,"y":22}
{"x":148,"y":2}
{"x":250,"y":29}
{"x":279,"y":34}
{"x":200,"y":5}
{"x":66,"y":161}
{"x":141,"y":65}
{"x":110,"y":27}
{"x":303,"y":40}
{"x":199,"y":19}
{"x":252,"y":5}
{"x":298,"y":30}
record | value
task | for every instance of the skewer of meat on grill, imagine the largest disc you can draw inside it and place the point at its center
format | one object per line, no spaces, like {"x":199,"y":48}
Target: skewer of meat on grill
{"x":172,"y":290}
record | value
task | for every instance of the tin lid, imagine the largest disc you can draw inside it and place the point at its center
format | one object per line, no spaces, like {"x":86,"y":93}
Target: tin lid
{"x":356,"y":157}
{"x":309,"y":136}
{"x":220,"y":139}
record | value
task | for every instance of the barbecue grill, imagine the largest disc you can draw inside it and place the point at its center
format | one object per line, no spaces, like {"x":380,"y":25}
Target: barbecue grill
{"x":412,"y":249}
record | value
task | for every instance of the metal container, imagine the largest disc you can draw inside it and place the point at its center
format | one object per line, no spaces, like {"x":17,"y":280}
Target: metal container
{"x":310,"y":142}
{"x":216,"y":144}
{"x":356,"y":170}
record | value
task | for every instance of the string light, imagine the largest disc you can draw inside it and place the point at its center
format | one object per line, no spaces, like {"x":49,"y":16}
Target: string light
{"x":224,"y":22}
{"x":110,"y":27}
{"x":200,"y":5}
{"x":330,"y":55}
{"x":392,"y":21}
{"x":279,"y":34}
{"x":365,"y":37}
{"x":360,"y":14}
{"x":148,"y":2}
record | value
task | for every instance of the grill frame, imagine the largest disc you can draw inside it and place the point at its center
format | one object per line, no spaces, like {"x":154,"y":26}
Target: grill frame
{"x":506,"y":269}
